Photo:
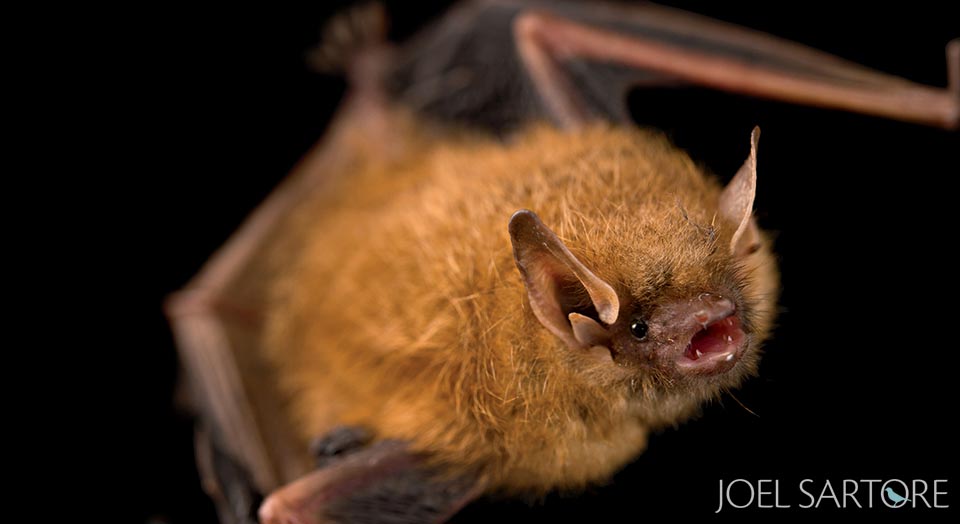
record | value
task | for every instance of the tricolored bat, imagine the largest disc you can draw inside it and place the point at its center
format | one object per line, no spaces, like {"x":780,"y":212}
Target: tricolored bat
{"x":484,"y":279}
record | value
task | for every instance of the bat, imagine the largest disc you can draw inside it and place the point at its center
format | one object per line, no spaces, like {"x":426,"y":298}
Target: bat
{"x":484,"y":280}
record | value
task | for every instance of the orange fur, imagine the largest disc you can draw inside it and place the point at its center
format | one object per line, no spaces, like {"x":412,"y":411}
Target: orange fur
{"x":404,"y":311}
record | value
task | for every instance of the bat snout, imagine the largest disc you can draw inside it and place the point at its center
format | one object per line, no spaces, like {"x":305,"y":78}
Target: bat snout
{"x":710,"y":337}
{"x":709,"y":308}
{"x":714,"y":349}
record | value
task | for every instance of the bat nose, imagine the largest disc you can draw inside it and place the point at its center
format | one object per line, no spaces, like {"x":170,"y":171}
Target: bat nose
{"x":695,"y":313}
{"x":710,"y":307}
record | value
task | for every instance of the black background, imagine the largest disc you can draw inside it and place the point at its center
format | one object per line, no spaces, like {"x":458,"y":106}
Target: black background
{"x":857,"y":382}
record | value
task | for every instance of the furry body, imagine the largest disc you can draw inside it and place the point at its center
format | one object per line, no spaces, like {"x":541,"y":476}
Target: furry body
{"x":404,"y":311}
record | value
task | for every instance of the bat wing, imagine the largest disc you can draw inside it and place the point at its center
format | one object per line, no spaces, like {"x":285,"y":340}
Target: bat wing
{"x":246,"y":446}
{"x":498,"y":63}
{"x":247,"y":449}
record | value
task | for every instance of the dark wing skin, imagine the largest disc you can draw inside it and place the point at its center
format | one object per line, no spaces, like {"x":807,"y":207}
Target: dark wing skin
{"x":493,"y":64}
{"x":498,"y":63}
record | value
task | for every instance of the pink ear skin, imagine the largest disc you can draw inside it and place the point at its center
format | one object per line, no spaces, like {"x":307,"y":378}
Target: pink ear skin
{"x":736,"y":203}
{"x":588,"y":331}
{"x":557,"y":283}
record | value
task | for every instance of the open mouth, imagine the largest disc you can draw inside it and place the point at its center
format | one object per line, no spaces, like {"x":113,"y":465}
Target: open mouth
{"x":715,"y":347}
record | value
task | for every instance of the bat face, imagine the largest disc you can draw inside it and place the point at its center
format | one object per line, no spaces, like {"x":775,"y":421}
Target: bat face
{"x":670,"y":298}
{"x":700,"y":334}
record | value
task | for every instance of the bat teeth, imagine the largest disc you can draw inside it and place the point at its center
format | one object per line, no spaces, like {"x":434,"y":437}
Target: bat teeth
{"x":699,"y":353}
{"x":729,"y":357}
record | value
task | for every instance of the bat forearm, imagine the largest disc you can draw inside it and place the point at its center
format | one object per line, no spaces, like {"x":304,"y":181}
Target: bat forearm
{"x":544,"y":38}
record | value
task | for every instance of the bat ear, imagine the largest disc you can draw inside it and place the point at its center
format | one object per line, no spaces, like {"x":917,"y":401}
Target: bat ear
{"x":736,"y":203}
{"x":567,"y":298}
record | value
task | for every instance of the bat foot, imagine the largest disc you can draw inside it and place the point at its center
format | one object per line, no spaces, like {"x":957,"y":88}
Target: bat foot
{"x":340,"y":441}
{"x":347,"y":35}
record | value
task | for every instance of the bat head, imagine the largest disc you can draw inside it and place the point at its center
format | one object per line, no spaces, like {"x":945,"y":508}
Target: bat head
{"x":660,"y":300}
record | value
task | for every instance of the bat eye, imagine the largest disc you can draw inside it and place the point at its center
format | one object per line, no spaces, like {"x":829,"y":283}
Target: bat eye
{"x":638,"y":328}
